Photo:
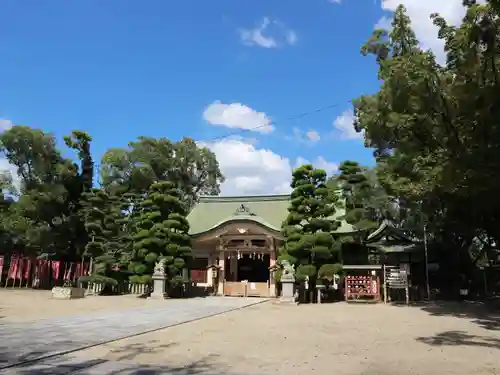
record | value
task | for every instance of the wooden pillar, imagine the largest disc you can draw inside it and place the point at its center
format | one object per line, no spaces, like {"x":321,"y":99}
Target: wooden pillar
{"x":211,"y":262}
{"x":233,"y":263}
{"x":272,"y":263}
{"x":385,"y":283}
{"x":222,"y":259}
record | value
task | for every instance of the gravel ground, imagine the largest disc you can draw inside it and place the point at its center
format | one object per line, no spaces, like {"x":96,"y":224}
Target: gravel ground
{"x":341,"y":339}
{"x":28,"y":304}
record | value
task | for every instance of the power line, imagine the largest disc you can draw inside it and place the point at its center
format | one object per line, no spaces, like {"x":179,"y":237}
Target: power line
{"x":294,"y":117}
{"x":240,"y":131}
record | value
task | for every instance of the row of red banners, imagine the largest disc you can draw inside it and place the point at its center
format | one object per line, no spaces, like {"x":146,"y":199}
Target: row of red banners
{"x":21,"y":268}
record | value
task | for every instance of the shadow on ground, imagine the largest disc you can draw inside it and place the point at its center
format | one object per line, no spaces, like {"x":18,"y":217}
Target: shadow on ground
{"x":132,"y":351}
{"x":13,"y":355}
{"x":122,"y":361}
{"x":480,"y":313}
{"x":460,"y":338}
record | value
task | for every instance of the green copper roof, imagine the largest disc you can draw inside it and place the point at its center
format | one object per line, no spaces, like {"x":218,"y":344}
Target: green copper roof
{"x":267,"y":210}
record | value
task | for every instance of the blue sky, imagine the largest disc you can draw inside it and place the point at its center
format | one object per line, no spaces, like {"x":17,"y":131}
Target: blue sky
{"x":119,"y":69}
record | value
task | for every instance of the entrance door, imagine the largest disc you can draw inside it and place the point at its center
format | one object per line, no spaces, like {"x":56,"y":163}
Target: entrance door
{"x":247,"y":276}
{"x":254,"y":268}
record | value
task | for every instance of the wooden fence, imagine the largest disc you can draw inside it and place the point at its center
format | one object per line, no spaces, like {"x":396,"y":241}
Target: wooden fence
{"x":124,"y":287}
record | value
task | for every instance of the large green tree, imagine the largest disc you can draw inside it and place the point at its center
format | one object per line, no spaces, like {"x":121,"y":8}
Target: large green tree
{"x":108,"y":242}
{"x":357,"y":192}
{"x":309,"y":243}
{"x":134,"y":218}
{"x":193,"y":169}
{"x":161,"y":233}
{"x":435,"y":127}
{"x":367,"y":203}
{"x":45,"y":217}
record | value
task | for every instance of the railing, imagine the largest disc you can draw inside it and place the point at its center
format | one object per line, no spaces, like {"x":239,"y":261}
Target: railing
{"x":235,"y":288}
{"x":246,"y":289}
{"x":257,"y":289}
{"x":121,"y":288}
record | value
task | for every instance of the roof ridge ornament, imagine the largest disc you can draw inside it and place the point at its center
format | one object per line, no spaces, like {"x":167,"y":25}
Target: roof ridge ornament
{"x":243,"y":210}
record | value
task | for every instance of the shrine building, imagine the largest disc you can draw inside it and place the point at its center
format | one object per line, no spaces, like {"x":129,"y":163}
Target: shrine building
{"x":235,"y":242}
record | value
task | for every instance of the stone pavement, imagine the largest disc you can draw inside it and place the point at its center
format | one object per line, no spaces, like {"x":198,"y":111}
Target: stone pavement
{"x":27,"y":341}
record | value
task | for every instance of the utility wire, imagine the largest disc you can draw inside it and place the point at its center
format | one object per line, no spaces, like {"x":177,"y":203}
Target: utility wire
{"x":241,"y":131}
{"x":294,"y":117}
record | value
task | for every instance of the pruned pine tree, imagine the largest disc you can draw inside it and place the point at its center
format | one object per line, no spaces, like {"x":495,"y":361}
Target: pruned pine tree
{"x":102,"y":219}
{"x":358,"y":194}
{"x":161,"y":233}
{"x":309,"y":243}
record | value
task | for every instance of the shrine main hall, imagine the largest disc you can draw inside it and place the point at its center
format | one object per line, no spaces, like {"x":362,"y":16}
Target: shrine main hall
{"x":235,"y":242}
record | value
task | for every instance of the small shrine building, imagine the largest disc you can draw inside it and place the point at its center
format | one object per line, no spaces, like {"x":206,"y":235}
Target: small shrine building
{"x":235,"y":242}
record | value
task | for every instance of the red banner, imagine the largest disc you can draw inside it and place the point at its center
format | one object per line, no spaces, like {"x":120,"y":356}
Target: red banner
{"x":42,"y":267}
{"x":81,"y":269}
{"x":78,"y":271}
{"x":13,"y":267}
{"x":68,"y":271}
{"x":55,"y":269}
{"x":27,"y":268}
{"x":20,"y":266}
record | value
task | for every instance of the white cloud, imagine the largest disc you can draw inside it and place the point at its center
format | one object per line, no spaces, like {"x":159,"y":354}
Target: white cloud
{"x":5,"y":166}
{"x":5,"y":124}
{"x":320,"y":162}
{"x":311,"y":136}
{"x":237,"y":116}
{"x":260,"y":35}
{"x":8,"y":169}
{"x":344,"y":128}
{"x":420,"y":10}
{"x":291,"y":37}
{"x":384,"y":23}
{"x":250,"y":170}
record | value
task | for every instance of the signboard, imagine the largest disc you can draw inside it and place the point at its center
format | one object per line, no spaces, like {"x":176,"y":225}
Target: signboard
{"x":397,"y":278}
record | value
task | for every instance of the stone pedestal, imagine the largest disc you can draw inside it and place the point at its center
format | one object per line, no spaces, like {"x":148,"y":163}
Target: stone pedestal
{"x":287,"y":283}
{"x":319,"y":291}
{"x":159,"y":282}
{"x":287,"y":291}
{"x":67,"y":293}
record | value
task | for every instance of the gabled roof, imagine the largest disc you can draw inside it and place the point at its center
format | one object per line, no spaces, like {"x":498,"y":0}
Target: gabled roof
{"x":386,"y":229}
{"x":389,"y":239}
{"x":267,"y":210}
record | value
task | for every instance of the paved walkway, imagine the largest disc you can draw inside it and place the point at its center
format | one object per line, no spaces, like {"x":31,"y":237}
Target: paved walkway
{"x":27,"y":341}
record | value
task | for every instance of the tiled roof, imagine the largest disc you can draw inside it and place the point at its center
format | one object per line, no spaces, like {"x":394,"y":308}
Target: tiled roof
{"x":268,"y":210}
